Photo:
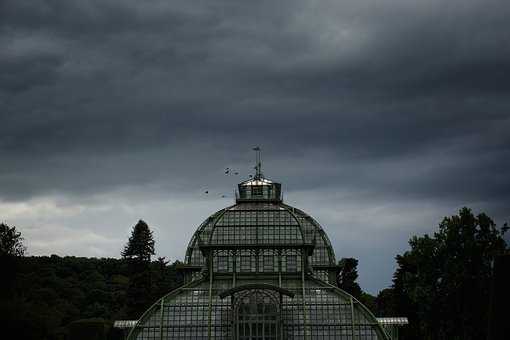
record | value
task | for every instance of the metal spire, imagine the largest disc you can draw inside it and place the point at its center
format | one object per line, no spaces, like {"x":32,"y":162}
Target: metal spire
{"x":258,"y":166}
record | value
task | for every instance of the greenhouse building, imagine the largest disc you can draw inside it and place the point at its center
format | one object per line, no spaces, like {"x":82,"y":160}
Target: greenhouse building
{"x":259,"y":270}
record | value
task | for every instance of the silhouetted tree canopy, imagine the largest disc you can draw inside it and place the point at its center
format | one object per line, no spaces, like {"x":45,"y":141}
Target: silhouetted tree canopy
{"x":385,"y":304}
{"x":55,"y":297}
{"x":141,"y":243}
{"x":143,"y":279}
{"x":50,"y":292}
{"x":443,"y":282}
{"x":347,"y":276}
{"x":11,"y":242}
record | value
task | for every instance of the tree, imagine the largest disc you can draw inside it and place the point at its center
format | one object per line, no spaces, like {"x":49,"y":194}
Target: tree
{"x":160,"y":280}
{"x":347,"y":276}
{"x":442,"y":283}
{"x":11,"y":242}
{"x":385,"y":304}
{"x":141,"y":243}
{"x":138,"y":250}
{"x":41,"y":295}
{"x":368,"y":300}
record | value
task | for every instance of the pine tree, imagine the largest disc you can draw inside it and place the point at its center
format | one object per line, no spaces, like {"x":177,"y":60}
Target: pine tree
{"x":138,"y":251}
{"x":141,"y":243}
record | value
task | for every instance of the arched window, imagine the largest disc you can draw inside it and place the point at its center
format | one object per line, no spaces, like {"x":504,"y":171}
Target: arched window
{"x":257,"y":316}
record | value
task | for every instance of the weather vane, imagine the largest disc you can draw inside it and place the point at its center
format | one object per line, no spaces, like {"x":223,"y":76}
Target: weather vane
{"x":258,"y":166}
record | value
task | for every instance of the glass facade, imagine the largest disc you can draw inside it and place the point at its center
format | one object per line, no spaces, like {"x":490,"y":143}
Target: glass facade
{"x":258,"y":270}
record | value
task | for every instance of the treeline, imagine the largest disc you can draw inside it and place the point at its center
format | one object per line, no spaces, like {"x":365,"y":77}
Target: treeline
{"x":442,"y":283}
{"x":41,"y":296}
{"x":45,"y":294}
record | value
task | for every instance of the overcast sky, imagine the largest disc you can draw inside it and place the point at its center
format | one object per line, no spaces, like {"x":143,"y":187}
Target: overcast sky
{"x":379,"y":117}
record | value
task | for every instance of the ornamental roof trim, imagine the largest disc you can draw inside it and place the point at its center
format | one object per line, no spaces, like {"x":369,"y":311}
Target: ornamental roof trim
{"x":256,"y":181}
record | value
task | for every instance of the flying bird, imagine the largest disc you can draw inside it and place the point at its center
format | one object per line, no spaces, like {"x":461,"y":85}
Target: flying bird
{"x":229,"y":171}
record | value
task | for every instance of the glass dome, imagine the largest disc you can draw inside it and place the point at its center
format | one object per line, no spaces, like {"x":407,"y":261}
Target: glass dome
{"x":259,"y":269}
{"x":264,"y":224}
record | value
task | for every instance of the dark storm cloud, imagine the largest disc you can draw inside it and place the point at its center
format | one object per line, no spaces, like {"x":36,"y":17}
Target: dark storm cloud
{"x":382,"y":102}
{"x":96,"y":78}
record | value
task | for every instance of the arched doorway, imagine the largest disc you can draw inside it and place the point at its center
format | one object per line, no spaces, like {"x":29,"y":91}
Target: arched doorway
{"x":257,"y":316}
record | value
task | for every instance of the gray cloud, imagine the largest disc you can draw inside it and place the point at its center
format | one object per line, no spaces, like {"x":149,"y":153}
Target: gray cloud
{"x":396,"y":112}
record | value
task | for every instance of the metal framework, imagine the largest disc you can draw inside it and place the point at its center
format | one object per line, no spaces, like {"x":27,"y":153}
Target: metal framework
{"x":257,"y":315}
{"x":259,"y":270}
{"x":392,"y":324}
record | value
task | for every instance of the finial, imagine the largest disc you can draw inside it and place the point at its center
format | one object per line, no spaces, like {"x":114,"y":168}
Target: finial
{"x":258,"y":166}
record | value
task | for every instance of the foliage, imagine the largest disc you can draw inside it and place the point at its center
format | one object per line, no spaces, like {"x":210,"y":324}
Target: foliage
{"x":141,"y":243}
{"x":51,"y":292}
{"x":347,"y":276}
{"x":11,"y":242}
{"x":442,"y":283}
{"x":88,"y":329}
{"x":385,"y":304}
{"x":368,"y":300}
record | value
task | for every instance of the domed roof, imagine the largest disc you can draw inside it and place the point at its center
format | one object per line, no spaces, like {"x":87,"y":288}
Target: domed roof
{"x":258,"y":269}
{"x":260,"y":218}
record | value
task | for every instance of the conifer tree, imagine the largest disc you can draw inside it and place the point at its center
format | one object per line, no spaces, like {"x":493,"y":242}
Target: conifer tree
{"x":141,"y":243}
{"x":138,"y":251}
